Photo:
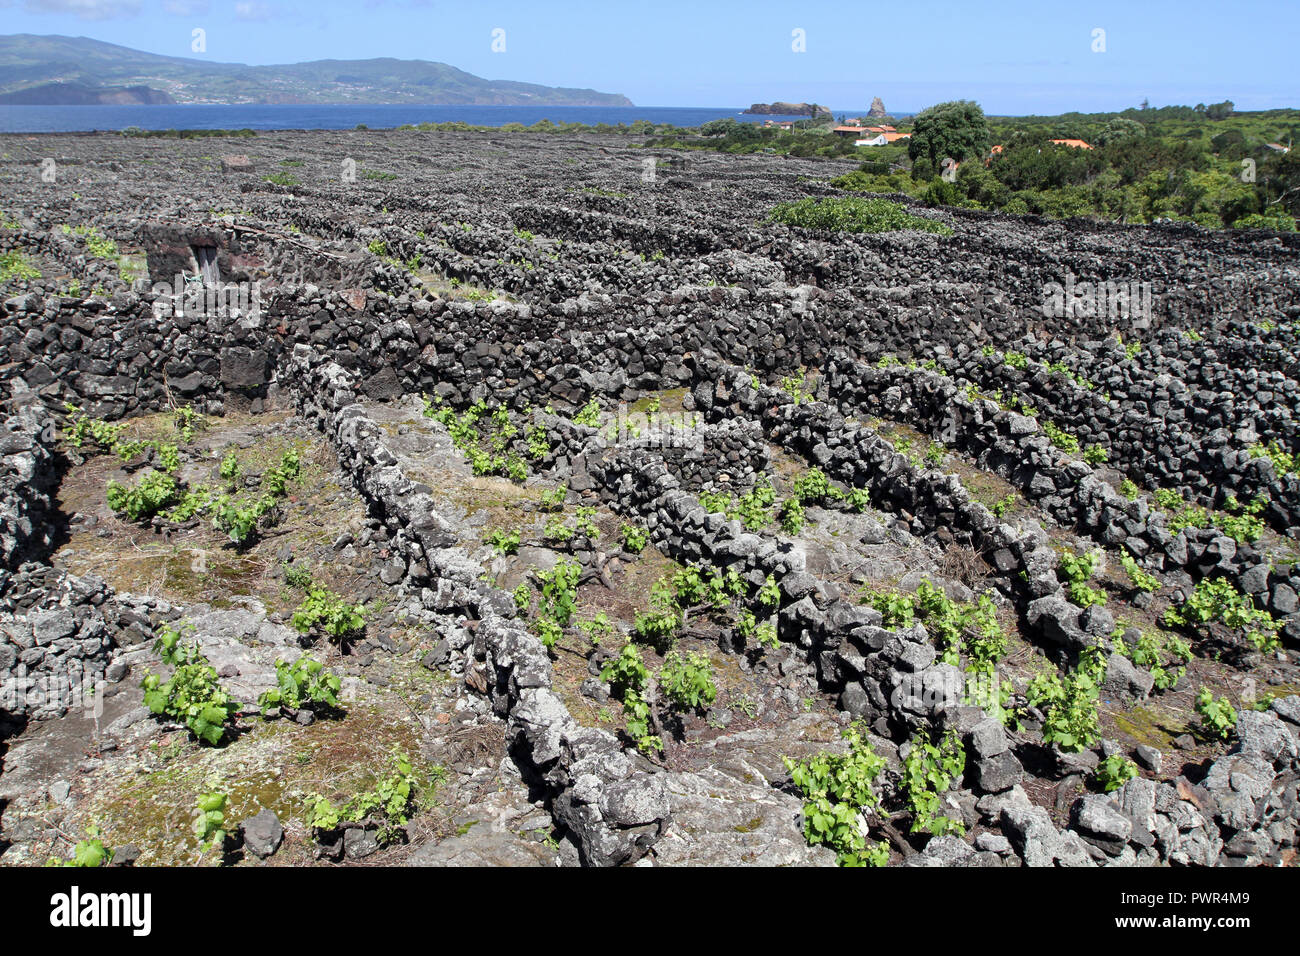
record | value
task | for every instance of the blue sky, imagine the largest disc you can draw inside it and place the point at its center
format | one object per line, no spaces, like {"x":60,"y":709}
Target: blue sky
{"x":1012,"y":57}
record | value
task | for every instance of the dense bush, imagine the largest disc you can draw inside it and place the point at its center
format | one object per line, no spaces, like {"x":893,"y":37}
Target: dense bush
{"x":1172,"y":163}
{"x":955,"y":130}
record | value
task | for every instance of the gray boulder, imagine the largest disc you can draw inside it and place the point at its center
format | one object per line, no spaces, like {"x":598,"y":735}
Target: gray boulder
{"x":262,"y":834}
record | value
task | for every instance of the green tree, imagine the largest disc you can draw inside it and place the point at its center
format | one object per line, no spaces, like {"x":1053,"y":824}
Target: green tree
{"x":718,"y":127}
{"x":1219,"y":111}
{"x":1230,"y":144}
{"x":957,"y":128}
{"x":1120,"y":129}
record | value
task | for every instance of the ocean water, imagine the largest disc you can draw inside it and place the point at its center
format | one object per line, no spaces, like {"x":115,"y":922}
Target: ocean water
{"x":65,"y":119}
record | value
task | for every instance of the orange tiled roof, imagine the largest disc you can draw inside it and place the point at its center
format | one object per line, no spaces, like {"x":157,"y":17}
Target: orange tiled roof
{"x":1076,"y":143}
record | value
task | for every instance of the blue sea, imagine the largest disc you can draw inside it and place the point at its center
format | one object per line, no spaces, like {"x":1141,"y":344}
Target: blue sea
{"x":66,"y":119}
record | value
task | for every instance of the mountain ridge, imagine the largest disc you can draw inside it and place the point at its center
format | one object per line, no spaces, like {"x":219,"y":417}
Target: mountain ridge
{"x":40,"y":69}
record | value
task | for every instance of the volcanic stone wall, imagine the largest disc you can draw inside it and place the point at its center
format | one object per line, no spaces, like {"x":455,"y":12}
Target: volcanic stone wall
{"x":604,"y":795}
{"x":114,"y":358}
{"x":116,"y":353}
{"x":1202,"y":455}
{"x":28,"y":474}
{"x":1014,"y":447}
{"x":58,"y":632}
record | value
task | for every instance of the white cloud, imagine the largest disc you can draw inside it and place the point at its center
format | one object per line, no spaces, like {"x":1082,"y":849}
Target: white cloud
{"x":186,"y":8}
{"x":87,"y":9}
{"x":252,"y":10}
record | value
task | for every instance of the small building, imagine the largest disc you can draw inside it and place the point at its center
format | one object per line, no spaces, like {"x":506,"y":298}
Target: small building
{"x":1072,"y":143}
{"x":877,"y":140}
{"x":1278,"y":148}
{"x":854,"y":131}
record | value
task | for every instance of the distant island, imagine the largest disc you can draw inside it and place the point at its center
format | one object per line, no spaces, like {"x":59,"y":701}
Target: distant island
{"x":788,"y":109}
{"x":60,"y":70}
{"x":78,"y":94}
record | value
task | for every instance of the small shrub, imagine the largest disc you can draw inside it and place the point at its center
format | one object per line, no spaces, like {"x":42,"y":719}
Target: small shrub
{"x":634,"y":537}
{"x":153,"y":492}
{"x":836,"y":789}
{"x":389,"y":803}
{"x":325,"y":612}
{"x":194,"y":697}
{"x":763,"y":634}
{"x":1113,"y":772}
{"x":188,"y":422}
{"x":559,"y":591}
{"x":658,"y":625}
{"x":539,"y":445}
{"x":813,"y":487}
{"x":90,"y":852}
{"x":597,"y":629}
{"x":230,"y":468}
{"x":858,"y":499}
{"x":240,"y":520}
{"x":1283,"y":461}
{"x":687,"y":680}
{"x":1161,"y":659}
{"x":1070,"y":706}
{"x":588,"y":415}
{"x":1078,"y":569}
{"x":1219,"y":600}
{"x":1218,"y":717}
{"x":305,"y":684}
{"x":627,"y":676}
{"x":1096,"y":455}
{"x":792,"y":516}
{"x":503,"y":542}
{"x":896,"y":610}
{"x":1241,"y":522}
{"x":1003,"y":505}
{"x":929,"y":769}
{"x":1060,"y":438}
{"x":210,"y":819}
{"x":793,"y":385}
{"x":1143,"y":581}
{"x":14,"y":265}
